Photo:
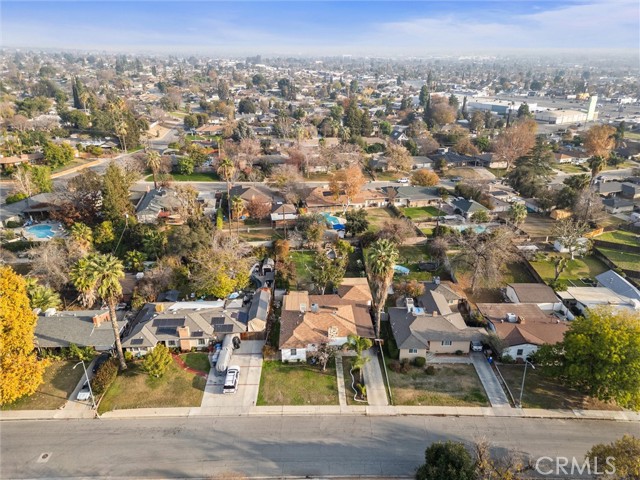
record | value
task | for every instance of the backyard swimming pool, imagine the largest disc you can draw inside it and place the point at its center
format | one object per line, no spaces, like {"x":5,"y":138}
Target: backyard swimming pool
{"x":42,"y":232}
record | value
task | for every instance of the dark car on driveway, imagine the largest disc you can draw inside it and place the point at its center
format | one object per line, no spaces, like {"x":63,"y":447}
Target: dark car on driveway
{"x":99,"y":361}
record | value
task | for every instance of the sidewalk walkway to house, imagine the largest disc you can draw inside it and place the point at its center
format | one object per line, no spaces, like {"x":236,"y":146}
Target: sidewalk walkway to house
{"x":342,"y":399}
{"x":491,"y":384}
{"x":186,"y":367}
{"x":376,"y":390}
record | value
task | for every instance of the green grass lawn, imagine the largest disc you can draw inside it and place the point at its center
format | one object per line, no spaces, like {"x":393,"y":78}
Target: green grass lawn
{"x":346,"y":367}
{"x":626,"y":260}
{"x":541,"y":391}
{"x":135,"y":389}
{"x":74,"y":163}
{"x":410,"y":257}
{"x":197,"y":361}
{"x":421,"y":213}
{"x":194,"y":177}
{"x":388,"y":176}
{"x":570,"y":168}
{"x":178,"y":114}
{"x":297,"y":384}
{"x":249,"y":234}
{"x":59,"y":381}
{"x":302,"y":259}
{"x":452,"y":385}
{"x":576,"y":269}
{"x":427,"y":231}
{"x":620,"y":236}
{"x":497,"y":172}
{"x":517,"y":273}
{"x":377,"y":217}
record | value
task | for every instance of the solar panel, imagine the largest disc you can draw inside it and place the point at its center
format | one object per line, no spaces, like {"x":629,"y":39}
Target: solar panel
{"x":217,"y":320}
{"x":168,"y":322}
{"x":224,"y":328}
{"x":166,"y":331}
{"x":137,"y":341}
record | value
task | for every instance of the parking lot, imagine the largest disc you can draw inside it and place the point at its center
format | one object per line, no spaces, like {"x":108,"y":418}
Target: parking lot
{"x":249,"y":358}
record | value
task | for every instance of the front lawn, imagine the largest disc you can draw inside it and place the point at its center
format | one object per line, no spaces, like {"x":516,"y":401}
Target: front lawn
{"x":133,"y":388}
{"x":620,"y":236}
{"x":59,"y":381}
{"x":297,"y":384}
{"x":451,"y":385}
{"x":197,"y":361}
{"x":194,"y":177}
{"x":571,"y":168}
{"x":576,"y":269}
{"x":421,"y":214}
{"x":541,"y":391}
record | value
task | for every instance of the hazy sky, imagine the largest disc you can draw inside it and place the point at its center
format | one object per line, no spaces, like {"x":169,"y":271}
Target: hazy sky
{"x":382,"y":28}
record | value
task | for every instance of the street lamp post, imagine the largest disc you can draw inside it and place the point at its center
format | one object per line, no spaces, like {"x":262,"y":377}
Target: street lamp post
{"x":526,"y":362}
{"x":86,"y":375}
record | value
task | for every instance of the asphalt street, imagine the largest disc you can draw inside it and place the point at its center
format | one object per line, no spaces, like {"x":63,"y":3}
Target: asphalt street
{"x":202,"y":447}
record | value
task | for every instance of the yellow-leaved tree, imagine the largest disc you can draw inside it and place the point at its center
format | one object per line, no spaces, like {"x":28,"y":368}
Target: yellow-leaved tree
{"x":20,"y":367}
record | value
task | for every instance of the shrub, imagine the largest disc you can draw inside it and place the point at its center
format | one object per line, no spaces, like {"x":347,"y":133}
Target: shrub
{"x":507,"y":359}
{"x":13,"y":223}
{"x":128,"y":356}
{"x":18,"y":246}
{"x":156,"y":362}
{"x":430,"y":370}
{"x":16,"y":197}
{"x":79,"y":353}
{"x":362,"y":390}
{"x":405,"y":365}
{"x":394,"y":365}
{"x":105,"y":376}
{"x":268,"y":351}
{"x":459,"y":352}
{"x":419,"y":362}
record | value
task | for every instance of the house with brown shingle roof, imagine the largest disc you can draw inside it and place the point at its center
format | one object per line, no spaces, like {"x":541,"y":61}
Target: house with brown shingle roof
{"x":523,"y":327}
{"x":538,"y":293}
{"x":321,"y":199}
{"x":308,"y":321}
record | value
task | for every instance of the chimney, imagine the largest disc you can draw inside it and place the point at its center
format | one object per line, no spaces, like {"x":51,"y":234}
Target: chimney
{"x":49,"y":312}
{"x":159,"y":307}
{"x":409,"y":303}
{"x":99,"y":318}
{"x":434,"y":313}
{"x":183,"y":332}
{"x":303,"y":307}
{"x":521,"y":320}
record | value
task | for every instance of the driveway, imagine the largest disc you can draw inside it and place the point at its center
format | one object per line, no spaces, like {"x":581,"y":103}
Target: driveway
{"x":73,"y":406}
{"x":495,"y":393}
{"x":249,"y":358}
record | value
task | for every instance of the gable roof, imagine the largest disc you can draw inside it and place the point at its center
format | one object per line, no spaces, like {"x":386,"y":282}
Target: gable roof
{"x":534,"y":326}
{"x":66,"y":327}
{"x":620,"y":285}
{"x":469,"y":206}
{"x":417,"y":193}
{"x":248,"y":193}
{"x":534,"y":293}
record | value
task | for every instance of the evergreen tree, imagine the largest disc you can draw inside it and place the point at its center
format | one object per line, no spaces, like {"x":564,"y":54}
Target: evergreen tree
{"x":115,"y":194}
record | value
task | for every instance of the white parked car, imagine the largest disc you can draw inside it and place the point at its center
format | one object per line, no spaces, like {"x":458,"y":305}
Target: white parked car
{"x":84,"y":392}
{"x":231,"y":380}
{"x":403,"y":180}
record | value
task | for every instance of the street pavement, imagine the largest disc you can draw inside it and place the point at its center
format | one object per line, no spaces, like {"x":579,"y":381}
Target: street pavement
{"x":273,"y":446}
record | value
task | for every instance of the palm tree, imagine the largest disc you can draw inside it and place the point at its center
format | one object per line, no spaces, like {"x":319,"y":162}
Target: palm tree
{"x":381,"y":259}
{"x":98,"y":276}
{"x":358,"y":363}
{"x":153,"y":163}
{"x":358,"y":344}
{"x":82,"y":235}
{"x":237,"y":206}
{"x":40,"y":296}
{"x":226,"y":169}
{"x":596,"y":164}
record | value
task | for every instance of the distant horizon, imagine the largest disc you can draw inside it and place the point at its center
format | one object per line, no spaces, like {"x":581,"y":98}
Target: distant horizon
{"x":379,"y":29}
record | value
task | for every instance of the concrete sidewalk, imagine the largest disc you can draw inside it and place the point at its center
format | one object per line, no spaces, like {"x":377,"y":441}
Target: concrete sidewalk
{"x":332,"y":410}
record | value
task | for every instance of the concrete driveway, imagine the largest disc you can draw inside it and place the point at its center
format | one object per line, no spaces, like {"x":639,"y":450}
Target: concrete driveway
{"x":73,"y":406}
{"x":249,"y":358}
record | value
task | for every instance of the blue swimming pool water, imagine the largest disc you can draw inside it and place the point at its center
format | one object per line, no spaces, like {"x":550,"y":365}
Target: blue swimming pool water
{"x":476,"y":228}
{"x":41,"y":231}
{"x":331,"y":219}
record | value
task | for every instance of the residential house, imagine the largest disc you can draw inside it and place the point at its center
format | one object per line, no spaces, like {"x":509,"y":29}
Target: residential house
{"x":445,"y":289}
{"x":84,"y":328}
{"x":431,"y":329}
{"x":15,"y":160}
{"x":283,"y":214}
{"x":253,"y":194}
{"x":631,"y":190}
{"x":467,"y":208}
{"x":489,"y":160}
{"x":422,"y":162}
{"x":583,"y":298}
{"x":184,"y":325}
{"x":618,"y":284}
{"x":413,"y":196}
{"x":608,"y":189}
{"x":615,"y":205}
{"x":308,"y":321}
{"x":159,"y":204}
{"x":323,"y":199}
{"x":522,"y":327}
{"x":39,"y":206}
{"x":538,"y":293}
{"x":453,"y":159}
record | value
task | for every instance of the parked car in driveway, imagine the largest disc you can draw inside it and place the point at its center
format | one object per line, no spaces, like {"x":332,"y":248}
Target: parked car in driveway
{"x":403,"y":180}
{"x":84,"y":392}
{"x":231,"y":380}
{"x":476,"y":346}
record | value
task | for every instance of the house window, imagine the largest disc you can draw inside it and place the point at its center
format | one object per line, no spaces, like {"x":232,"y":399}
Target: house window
{"x":413,"y":350}
{"x":519,"y":352}
{"x":201,"y":341}
{"x":172,"y":343}
{"x":446,"y":343}
{"x":294,"y":351}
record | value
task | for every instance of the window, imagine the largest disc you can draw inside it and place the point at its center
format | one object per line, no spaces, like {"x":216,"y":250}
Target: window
{"x":294,"y":351}
{"x":519,"y":352}
{"x":446,"y":343}
{"x":172,"y":343}
{"x":201,"y":341}
{"x":413,"y":350}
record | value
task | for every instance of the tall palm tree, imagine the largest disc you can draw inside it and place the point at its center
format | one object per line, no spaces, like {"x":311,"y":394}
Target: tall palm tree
{"x":237,"y":206}
{"x":226,"y":170}
{"x":358,"y":363}
{"x":358,"y":344}
{"x":40,"y":296}
{"x":153,"y":163}
{"x":98,"y":276}
{"x":596,"y":164}
{"x":82,"y":235}
{"x":381,"y":259}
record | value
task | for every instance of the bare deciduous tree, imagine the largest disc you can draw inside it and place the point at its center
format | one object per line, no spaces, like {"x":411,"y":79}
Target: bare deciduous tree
{"x":515,"y":142}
